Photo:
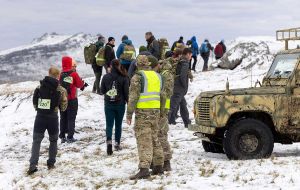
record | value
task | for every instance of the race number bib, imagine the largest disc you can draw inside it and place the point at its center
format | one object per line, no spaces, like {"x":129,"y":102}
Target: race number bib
{"x":44,"y":104}
{"x":68,"y":80}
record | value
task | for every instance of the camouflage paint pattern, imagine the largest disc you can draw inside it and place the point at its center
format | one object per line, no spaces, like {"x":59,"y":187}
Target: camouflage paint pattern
{"x":277,"y":97}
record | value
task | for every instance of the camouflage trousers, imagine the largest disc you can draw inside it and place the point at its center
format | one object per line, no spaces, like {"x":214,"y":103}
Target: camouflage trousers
{"x":163,"y":135}
{"x":146,"y":130}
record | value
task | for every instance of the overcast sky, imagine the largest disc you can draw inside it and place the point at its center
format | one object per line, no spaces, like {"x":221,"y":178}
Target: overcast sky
{"x":23,"y":20}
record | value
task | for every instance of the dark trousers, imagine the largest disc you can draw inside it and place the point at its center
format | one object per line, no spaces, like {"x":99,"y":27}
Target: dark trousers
{"x":194,"y":63}
{"x":41,"y":124}
{"x":178,"y":101}
{"x":67,"y":119}
{"x":96,"y":87}
{"x":114,"y":116}
{"x":205,"y":59}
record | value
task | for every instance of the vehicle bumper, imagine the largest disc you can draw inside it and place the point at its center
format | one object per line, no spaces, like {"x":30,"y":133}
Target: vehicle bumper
{"x":202,"y":129}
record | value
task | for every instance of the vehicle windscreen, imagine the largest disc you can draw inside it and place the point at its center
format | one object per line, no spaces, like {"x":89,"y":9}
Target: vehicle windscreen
{"x":283,"y":65}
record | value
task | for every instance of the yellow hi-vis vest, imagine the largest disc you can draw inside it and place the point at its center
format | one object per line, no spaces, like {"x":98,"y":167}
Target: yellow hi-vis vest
{"x":150,"y":95}
{"x":168,"y":101}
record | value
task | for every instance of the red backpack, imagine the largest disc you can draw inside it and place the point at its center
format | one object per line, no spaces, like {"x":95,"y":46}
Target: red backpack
{"x":219,"y":50}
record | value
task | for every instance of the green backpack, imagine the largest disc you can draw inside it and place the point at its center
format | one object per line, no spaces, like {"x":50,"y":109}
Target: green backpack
{"x":100,"y":60}
{"x":89,"y":53}
{"x":163,"y":47}
{"x":128,"y":54}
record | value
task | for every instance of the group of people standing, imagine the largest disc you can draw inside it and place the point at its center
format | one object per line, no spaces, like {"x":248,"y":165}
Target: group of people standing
{"x":153,"y":88}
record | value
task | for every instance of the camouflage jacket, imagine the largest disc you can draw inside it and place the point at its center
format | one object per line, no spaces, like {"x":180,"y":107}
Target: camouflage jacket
{"x":168,"y":84}
{"x":134,"y":94}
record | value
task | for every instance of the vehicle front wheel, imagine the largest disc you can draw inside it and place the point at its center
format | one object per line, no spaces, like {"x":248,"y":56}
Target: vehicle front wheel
{"x":212,"y":147}
{"x":248,"y":139}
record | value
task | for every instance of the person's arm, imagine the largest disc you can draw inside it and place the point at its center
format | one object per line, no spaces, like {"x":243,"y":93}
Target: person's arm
{"x":184,"y":74}
{"x":107,"y":55}
{"x":224,"y":48}
{"x":120,"y":50}
{"x":35,"y":97}
{"x":77,"y":81}
{"x":126,"y":89}
{"x":135,"y":90}
{"x":63,"y":98}
{"x":156,"y":49}
{"x":210,"y":47}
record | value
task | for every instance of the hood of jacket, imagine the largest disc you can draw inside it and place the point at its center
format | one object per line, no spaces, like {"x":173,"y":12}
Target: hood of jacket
{"x":193,"y":39}
{"x":127,"y":42}
{"x":66,"y":64}
{"x":49,"y":82}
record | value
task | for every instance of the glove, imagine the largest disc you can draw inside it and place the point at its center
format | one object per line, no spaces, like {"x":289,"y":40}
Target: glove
{"x":85,"y":85}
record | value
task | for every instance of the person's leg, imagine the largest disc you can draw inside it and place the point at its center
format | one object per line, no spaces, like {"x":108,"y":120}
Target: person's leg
{"x":163,"y":136}
{"x":158,"y":154}
{"x":53,"y":136}
{"x":110,"y":119}
{"x":118,"y":125}
{"x":190,"y":64}
{"x":63,"y":124}
{"x":184,"y":112}
{"x":175,"y":101}
{"x":143,"y":134}
{"x":96,"y":87}
{"x":194,"y":64}
{"x":206,"y":63}
{"x":72,"y":113}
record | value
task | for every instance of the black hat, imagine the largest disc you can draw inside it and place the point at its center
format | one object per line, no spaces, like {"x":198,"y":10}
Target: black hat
{"x":110,"y":39}
{"x":181,"y":38}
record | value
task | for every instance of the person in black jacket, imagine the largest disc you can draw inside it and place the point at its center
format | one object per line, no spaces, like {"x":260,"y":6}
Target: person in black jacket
{"x":181,"y":84}
{"x":109,"y":53}
{"x":48,"y":98}
{"x":177,"y":44}
{"x":98,"y":69}
{"x":152,"y":45}
{"x":115,"y":87}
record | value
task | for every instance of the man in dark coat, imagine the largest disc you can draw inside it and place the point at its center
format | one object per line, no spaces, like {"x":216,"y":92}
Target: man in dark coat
{"x":152,"y":45}
{"x":98,"y":69}
{"x":109,"y":53}
{"x":180,"y":89}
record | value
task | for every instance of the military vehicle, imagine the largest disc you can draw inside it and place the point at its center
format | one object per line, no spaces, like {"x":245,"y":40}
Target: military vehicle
{"x":245,"y":123}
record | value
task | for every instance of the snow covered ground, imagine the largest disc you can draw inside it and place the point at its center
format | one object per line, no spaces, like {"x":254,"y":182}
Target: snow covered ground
{"x":85,"y":165}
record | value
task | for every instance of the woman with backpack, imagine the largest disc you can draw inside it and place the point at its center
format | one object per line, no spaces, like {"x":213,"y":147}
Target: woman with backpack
{"x":115,"y":87}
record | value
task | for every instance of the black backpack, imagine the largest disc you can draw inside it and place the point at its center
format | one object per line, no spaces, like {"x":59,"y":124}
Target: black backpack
{"x":46,"y":99}
{"x":113,"y":94}
{"x":66,"y":80}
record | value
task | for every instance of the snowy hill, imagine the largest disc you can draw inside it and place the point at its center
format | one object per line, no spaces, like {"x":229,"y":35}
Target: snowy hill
{"x":85,"y":165}
{"x":30,"y":62}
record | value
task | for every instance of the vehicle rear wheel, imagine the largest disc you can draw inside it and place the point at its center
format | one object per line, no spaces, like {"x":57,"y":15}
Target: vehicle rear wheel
{"x":212,"y":147}
{"x":248,"y":139}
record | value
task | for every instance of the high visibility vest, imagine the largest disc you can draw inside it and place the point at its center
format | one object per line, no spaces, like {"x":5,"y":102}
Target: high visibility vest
{"x":150,"y":96}
{"x":168,"y":101}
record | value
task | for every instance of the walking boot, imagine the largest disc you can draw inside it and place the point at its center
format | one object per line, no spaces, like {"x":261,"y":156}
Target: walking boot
{"x":118,"y":147}
{"x":142,"y":174}
{"x":167,"y":166}
{"x":109,"y":148}
{"x":32,"y":170}
{"x":157,"y":170}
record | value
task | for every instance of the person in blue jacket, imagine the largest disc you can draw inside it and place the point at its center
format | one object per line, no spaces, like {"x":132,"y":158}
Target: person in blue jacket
{"x":195,"y":50}
{"x":120,"y":51}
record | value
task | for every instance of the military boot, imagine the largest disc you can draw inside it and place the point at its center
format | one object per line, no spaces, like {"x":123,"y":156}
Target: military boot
{"x":142,"y":174}
{"x":167,"y":166}
{"x":157,"y":170}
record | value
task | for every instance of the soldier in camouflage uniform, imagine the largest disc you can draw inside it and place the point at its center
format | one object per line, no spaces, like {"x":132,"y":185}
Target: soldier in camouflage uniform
{"x":144,"y":100}
{"x":167,"y":92}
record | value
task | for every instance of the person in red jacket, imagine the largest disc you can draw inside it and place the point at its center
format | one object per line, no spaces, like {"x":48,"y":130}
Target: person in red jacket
{"x":220,"y":49}
{"x":71,"y":81}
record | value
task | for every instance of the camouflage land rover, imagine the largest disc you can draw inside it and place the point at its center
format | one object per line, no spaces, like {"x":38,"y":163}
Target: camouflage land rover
{"x":245,"y":123}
